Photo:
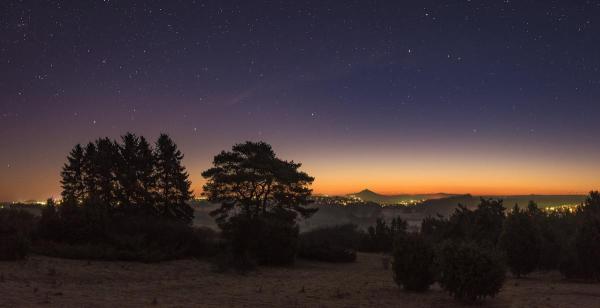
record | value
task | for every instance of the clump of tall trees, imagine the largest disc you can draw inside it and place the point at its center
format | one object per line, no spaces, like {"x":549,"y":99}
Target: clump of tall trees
{"x":129,"y":177}
{"x":122,"y":199}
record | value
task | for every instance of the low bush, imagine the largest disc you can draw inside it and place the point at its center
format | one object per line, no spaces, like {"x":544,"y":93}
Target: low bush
{"x":468,"y":271}
{"x":331,"y":244}
{"x":16,"y":228}
{"x":380,"y":237}
{"x":347,"y":235}
{"x":413,"y":262}
{"x":326,"y":253}
{"x":89,"y":233}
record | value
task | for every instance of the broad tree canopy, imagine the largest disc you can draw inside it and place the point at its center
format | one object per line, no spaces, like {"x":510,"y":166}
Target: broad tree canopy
{"x":250,"y":180}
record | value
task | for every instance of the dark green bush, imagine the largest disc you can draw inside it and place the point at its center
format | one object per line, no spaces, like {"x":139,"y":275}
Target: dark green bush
{"x":380,"y":238}
{"x":326,"y":253}
{"x":331,"y":244}
{"x":520,"y":241}
{"x":435,"y":229}
{"x":413,"y":262}
{"x":347,"y":235}
{"x":468,"y":271}
{"x":16,"y":228}
{"x":90,"y":233}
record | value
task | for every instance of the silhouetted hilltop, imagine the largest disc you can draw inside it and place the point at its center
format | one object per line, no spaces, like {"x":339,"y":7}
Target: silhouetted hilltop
{"x":446,"y":206}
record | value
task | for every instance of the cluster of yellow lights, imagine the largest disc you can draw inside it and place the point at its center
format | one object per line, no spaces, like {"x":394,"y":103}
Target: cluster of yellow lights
{"x":571,"y":208}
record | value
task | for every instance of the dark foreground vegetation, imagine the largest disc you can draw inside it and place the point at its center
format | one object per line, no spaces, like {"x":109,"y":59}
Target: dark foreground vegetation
{"x":128,"y":200}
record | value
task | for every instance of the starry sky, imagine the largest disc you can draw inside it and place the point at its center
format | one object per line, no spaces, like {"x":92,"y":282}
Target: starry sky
{"x":488,"y":97}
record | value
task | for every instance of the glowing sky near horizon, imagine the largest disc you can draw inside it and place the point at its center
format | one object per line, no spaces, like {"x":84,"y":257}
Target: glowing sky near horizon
{"x":482,"y":97}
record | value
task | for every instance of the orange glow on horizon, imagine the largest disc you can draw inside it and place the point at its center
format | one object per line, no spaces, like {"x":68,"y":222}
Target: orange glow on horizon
{"x":388,"y":171}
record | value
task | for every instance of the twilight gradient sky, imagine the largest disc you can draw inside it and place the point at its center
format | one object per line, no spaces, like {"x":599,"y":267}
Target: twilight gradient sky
{"x":486,"y":97}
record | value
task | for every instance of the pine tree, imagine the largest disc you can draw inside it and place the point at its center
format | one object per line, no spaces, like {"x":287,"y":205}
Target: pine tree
{"x":105,"y":170}
{"x":135,"y":174}
{"x":172,"y":182}
{"x":100,"y":169}
{"x":146,"y":173}
{"x":72,"y":176}
{"x":89,"y":179}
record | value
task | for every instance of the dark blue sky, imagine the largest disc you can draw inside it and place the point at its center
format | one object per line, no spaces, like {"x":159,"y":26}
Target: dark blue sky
{"x":328,"y":83}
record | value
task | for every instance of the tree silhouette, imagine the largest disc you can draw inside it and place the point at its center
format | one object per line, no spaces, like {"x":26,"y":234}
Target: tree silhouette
{"x":100,"y":170}
{"x":468,"y":271}
{"x":483,"y":225}
{"x":261,"y":197}
{"x":72,"y":176}
{"x":128,"y":177}
{"x":587,"y":237}
{"x":251,"y":181}
{"x":172,"y":181}
{"x":521,"y":242}
{"x":488,"y":221}
{"x":413,"y":263}
{"x":136,"y":174}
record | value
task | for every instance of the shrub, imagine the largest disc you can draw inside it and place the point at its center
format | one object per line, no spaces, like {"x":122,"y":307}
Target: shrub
{"x":435,"y":229}
{"x":149,"y":239}
{"x":468,"y":271}
{"x":482,"y":225}
{"x":73,"y":224}
{"x":89,"y":233}
{"x":331,"y":244}
{"x":16,"y":228}
{"x":521,"y":242}
{"x":413,"y":263}
{"x":347,"y":235}
{"x":380,"y":238}
{"x":326,"y":253}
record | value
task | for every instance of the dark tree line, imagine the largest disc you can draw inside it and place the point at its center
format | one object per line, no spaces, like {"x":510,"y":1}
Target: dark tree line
{"x":129,"y":177}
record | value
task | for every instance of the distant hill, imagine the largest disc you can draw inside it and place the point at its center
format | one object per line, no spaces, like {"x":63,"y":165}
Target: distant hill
{"x":445,"y":206}
{"x":371,"y":196}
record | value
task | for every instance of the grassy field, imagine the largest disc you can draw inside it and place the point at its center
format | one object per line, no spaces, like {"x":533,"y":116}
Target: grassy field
{"x":42,"y":281}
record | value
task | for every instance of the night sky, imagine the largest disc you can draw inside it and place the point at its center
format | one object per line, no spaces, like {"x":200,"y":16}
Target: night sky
{"x":490,"y":97}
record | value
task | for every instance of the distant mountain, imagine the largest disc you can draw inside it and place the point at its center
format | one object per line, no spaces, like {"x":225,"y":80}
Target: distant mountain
{"x":445,"y":206}
{"x":371,"y":196}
